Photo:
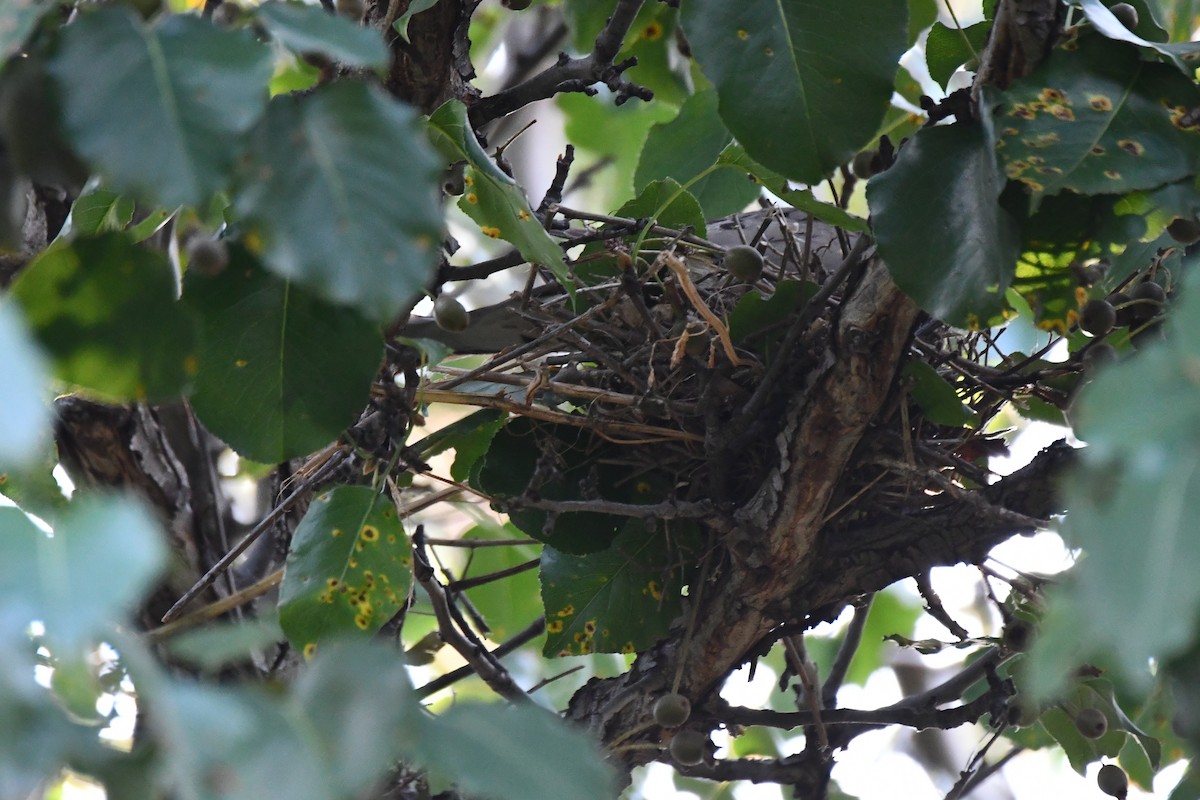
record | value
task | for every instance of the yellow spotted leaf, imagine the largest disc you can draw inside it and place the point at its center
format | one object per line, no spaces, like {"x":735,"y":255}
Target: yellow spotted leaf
{"x":348,"y":571}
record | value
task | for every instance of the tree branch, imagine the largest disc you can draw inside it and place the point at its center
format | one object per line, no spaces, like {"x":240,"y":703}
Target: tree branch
{"x":573,"y":74}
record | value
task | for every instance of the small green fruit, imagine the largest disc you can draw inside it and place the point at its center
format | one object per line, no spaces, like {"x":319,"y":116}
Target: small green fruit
{"x":687,"y":748}
{"x":1148,"y":297}
{"x":207,"y":257}
{"x":1099,"y":354}
{"x":1120,"y":302}
{"x":744,"y":263}
{"x":1184,"y":231}
{"x":1022,"y":713}
{"x":1098,"y":317}
{"x":1113,"y":781}
{"x":1017,"y":634}
{"x":1126,"y":14}
{"x":864,"y":163}
{"x":1091,"y":723}
{"x":450,"y":315}
{"x":672,"y":710}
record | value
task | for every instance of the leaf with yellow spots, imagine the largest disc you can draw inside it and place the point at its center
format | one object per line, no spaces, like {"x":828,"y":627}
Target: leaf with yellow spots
{"x":616,"y":599}
{"x":1097,"y":119}
{"x":496,"y":202}
{"x":349,"y":568}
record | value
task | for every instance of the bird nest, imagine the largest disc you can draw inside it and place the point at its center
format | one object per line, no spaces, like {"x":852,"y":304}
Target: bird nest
{"x":660,"y":381}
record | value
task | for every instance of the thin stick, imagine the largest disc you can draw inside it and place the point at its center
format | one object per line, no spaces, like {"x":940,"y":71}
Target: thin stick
{"x":685,"y":281}
{"x":250,"y":538}
{"x":214,"y":610}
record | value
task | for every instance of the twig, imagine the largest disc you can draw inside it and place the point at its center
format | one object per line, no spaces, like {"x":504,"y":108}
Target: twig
{"x":845,"y":653}
{"x":554,"y":195}
{"x":214,"y":610}
{"x":935,"y":609}
{"x":573,"y":74}
{"x":667,"y":509}
{"x":794,"y":645}
{"x":453,"y":629}
{"x":473,"y":543}
{"x":546,"y":681}
{"x":648,"y":433}
{"x":531,"y":632}
{"x":685,"y":281}
{"x":462,"y":584}
{"x":988,"y":770}
{"x":226,"y":560}
{"x":520,"y":350}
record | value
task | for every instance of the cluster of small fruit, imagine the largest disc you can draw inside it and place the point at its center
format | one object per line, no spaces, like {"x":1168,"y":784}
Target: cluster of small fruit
{"x":1092,"y":723}
{"x":1139,"y":309}
{"x":687,"y":747}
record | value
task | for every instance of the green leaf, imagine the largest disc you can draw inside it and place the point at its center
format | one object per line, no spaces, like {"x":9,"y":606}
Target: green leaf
{"x":241,"y":735}
{"x":493,"y":199}
{"x":20,"y":18}
{"x":652,"y":40}
{"x":1130,"y":511}
{"x":348,"y":570}
{"x":213,"y":647}
{"x":921,"y":14}
{"x":97,"y":211}
{"x":469,"y":437}
{"x":25,"y":412}
{"x":311,"y":29}
{"x":305,"y":367}
{"x":105,"y":311}
{"x":33,"y":487}
{"x":938,"y":400}
{"x":510,"y":466}
{"x":1185,"y":55}
{"x":668,"y":204}
{"x":414,"y":8}
{"x":788,"y":65}
{"x":1181,"y":18}
{"x":688,"y":145}
{"x":348,"y":208}
{"x":66,"y":580}
{"x":615,"y":134}
{"x":47,"y":738}
{"x":755,"y":312}
{"x":1188,"y":787}
{"x":947,"y":49}
{"x":518,"y":753}
{"x":157,"y":109}
{"x":618,"y":600}
{"x":1096,"y":119}
{"x":1070,"y":229}
{"x":947,"y":242}
{"x":735,"y":156}
{"x":891,"y":613}
{"x":357,"y":701}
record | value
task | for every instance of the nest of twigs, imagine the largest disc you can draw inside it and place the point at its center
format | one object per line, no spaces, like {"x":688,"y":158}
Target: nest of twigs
{"x":665,"y":363}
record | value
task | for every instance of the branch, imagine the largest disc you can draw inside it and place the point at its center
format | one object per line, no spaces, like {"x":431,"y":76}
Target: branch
{"x":530,"y":633}
{"x":845,"y":654}
{"x":678,"y":509}
{"x":457,"y":634}
{"x":573,"y":74}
